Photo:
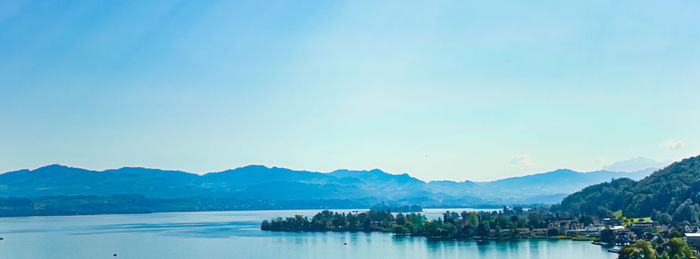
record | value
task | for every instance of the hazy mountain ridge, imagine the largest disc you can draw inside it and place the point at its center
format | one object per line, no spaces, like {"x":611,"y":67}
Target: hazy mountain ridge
{"x":257,"y":182}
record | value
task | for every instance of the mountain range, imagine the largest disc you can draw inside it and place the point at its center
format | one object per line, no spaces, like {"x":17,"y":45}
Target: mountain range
{"x":256,"y":182}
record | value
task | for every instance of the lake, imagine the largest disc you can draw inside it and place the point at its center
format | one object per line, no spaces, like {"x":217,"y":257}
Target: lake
{"x":237,"y":235}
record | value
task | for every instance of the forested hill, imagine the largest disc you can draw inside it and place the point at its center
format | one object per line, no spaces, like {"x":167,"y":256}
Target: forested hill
{"x":668,"y":194}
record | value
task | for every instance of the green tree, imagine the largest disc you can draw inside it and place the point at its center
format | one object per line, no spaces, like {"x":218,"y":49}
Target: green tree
{"x":514,"y":220}
{"x":687,"y":211}
{"x":483,"y":229}
{"x":604,"y":212}
{"x":586,"y":220}
{"x":468,"y":230}
{"x":522,"y":223}
{"x":367,"y":225}
{"x":399,"y":230}
{"x":518,"y":210}
{"x":534,"y":220}
{"x":474,"y":219}
{"x":450,"y":217}
{"x":265,"y":225}
{"x":663,"y":218}
{"x":400,"y":219}
{"x":678,"y":248}
{"x":641,"y":249}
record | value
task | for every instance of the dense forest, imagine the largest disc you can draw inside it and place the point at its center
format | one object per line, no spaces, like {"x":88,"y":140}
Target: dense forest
{"x":670,"y":195}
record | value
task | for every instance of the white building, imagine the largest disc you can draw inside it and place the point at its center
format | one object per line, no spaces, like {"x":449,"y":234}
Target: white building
{"x":693,"y":239}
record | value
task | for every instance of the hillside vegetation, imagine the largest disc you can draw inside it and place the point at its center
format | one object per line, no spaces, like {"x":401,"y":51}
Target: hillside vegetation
{"x":667,"y":195}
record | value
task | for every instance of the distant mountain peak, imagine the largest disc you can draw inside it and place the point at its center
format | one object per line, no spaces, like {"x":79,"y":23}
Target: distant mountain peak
{"x":635,"y":164}
{"x":53,"y":166}
{"x":255,"y":167}
{"x":564,"y":170}
{"x":247,"y":168}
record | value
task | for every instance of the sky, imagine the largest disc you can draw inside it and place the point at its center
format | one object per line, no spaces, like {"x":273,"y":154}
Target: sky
{"x":454,"y":90}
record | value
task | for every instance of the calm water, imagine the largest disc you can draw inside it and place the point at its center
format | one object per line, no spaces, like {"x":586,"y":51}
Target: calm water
{"x":237,"y":235}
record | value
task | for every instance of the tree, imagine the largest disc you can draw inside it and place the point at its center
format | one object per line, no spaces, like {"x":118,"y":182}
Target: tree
{"x":663,"y":218}
{"x":514,"y":220}
{"x":451,"y":231}
{"x":265,"y":225}
{"x":483,"y":229}
{"x":450,"y":217}
{"x":367,"y":225}
{"x":687,"y":211}
{"x":522,"y":223}
{"x":604,"y":212}
{"x":586,"y":220}
{"x":400,"y":219}
{"x":552,"y":232}
{"x":534,"y":219}
{"x":468,"y":230}
{"x":518,"y":210}
{"x":678,"y":248}
{"x":474,"y":219}
{"x":641,"y":249}
{"x":399,"y":230}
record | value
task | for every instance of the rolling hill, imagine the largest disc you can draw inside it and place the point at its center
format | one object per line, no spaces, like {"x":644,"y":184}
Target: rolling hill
{"x":670,"y":194}
{"x":257,"y":182}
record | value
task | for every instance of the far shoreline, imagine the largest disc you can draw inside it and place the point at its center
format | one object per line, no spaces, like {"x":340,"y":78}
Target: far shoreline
{"x":233,"y":211}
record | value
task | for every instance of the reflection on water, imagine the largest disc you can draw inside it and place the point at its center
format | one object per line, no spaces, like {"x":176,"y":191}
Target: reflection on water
{"x":237,"y":235}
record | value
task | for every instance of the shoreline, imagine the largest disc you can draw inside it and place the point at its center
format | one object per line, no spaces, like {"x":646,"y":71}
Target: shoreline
{"x":425,"y":210}
{"x":477,"y":239}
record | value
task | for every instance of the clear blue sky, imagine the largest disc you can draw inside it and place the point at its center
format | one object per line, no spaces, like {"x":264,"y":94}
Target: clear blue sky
{"x":438,"y":89}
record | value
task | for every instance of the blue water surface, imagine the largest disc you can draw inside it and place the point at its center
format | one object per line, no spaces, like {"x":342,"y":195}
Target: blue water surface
{"x":237,"y":235}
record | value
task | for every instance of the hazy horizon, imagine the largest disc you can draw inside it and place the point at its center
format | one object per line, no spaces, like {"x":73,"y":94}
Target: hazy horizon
{"x":440,"y":90}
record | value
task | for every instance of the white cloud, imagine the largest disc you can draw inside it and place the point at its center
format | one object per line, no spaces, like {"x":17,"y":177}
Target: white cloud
{"x":672,"y":144}
{"x":522,"y":162}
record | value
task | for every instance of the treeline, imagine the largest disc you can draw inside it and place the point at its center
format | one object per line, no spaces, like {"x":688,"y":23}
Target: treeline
{"x":451,"y":225}
{"x":334,"y":221}
{"x":669,"y":196}
{"x":136,"y":203}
